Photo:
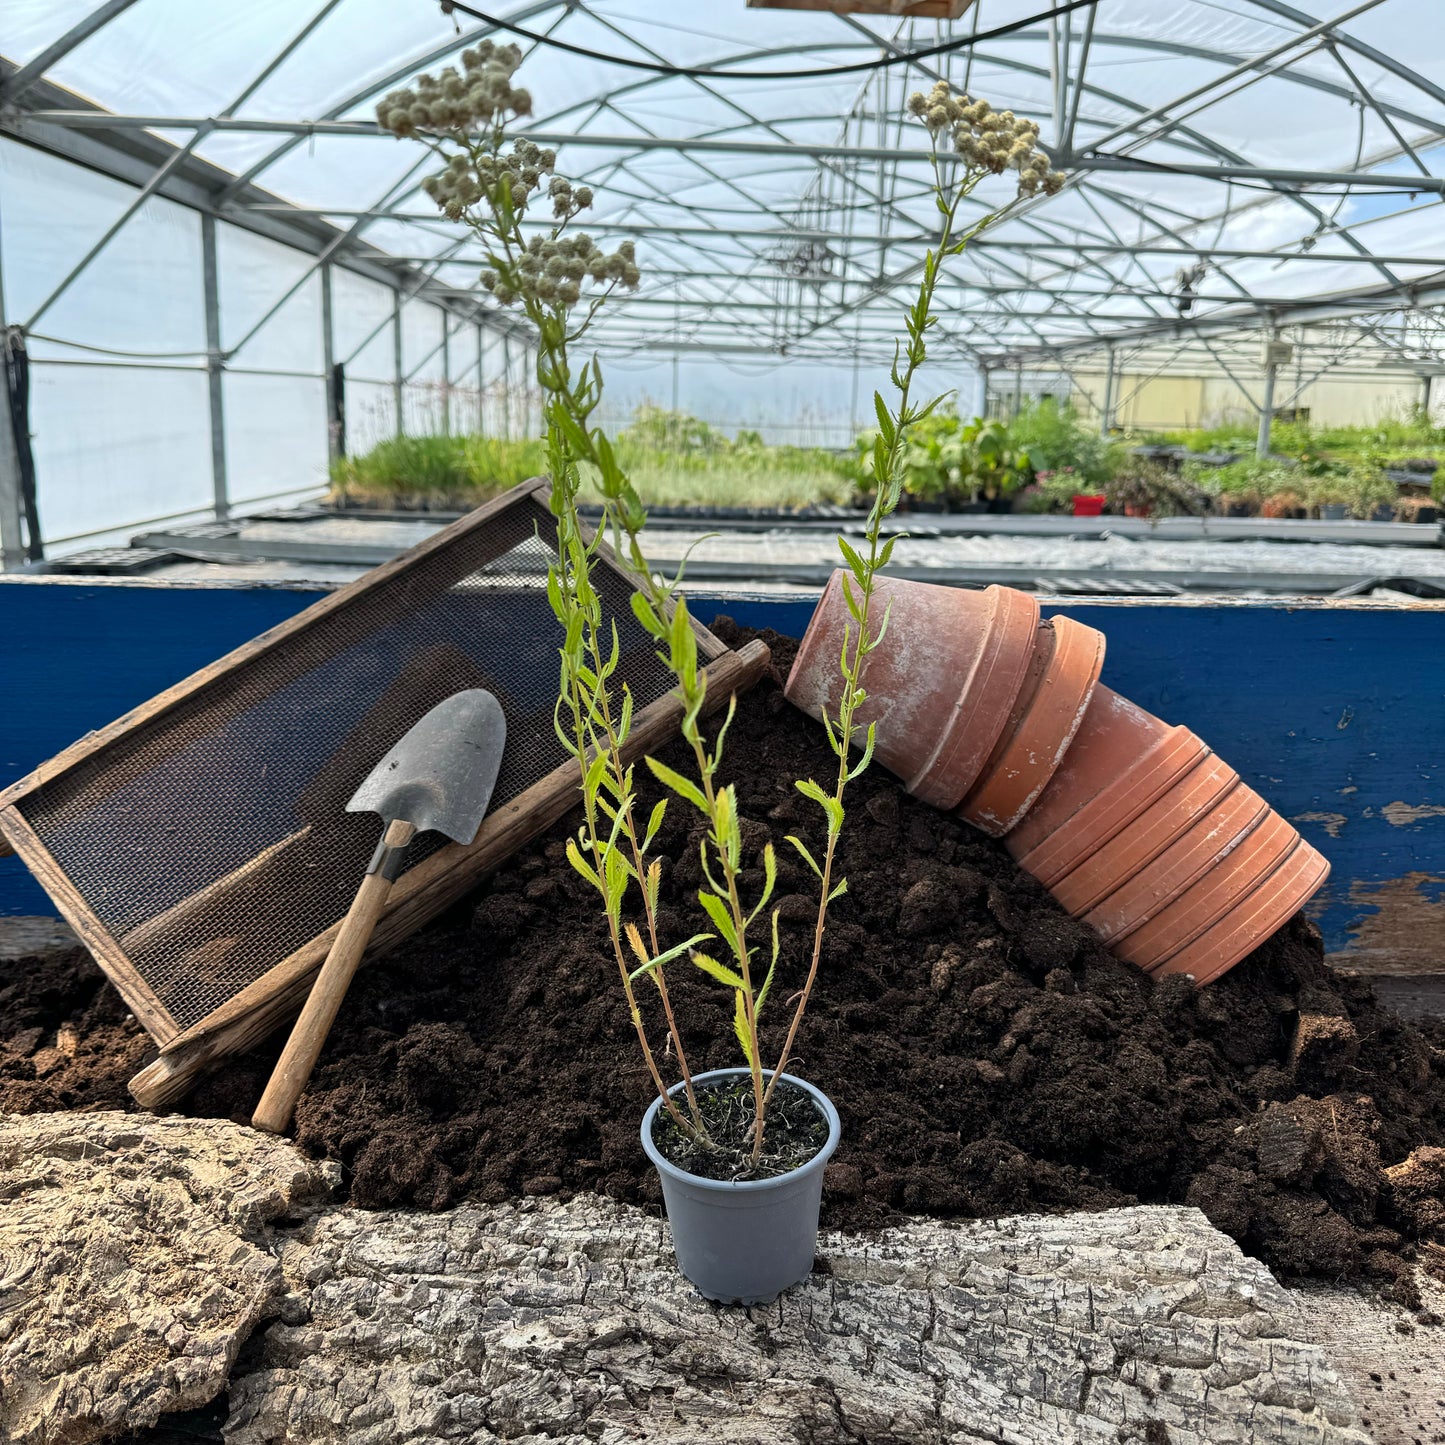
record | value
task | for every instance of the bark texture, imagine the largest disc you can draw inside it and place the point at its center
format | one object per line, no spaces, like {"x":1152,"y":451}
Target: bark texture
{"x":568,"y":1322}
{"x":133,"y":1264}
{"x":136,"y":1254}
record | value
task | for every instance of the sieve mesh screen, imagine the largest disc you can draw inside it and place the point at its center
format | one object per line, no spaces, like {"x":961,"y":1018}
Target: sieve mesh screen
{"x":212,"y":841}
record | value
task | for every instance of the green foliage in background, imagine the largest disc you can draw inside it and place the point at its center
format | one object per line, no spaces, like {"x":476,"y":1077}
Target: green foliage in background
{"x":466,"y":468}
{"x":1057,"y":439}
{"x":1048,"y":450}
{"x":677,"y":460}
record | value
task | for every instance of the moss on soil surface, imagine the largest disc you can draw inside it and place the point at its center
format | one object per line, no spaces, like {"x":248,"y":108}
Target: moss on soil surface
{"x":986,"y":1053}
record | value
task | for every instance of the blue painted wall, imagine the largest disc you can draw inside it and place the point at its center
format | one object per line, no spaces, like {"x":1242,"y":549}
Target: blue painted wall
{"x":1336,"y":714}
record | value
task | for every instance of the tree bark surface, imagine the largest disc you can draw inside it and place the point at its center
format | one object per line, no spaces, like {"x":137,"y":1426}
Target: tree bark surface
{"x":134,"y":1262}
{"x":136,"y":1254}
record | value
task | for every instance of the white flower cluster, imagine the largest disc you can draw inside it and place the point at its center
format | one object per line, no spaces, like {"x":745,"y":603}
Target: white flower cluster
{"x":464,"y":182}
{"x":459,"y":100}
{"x":988,"y":139}
{"x":553,"y":270}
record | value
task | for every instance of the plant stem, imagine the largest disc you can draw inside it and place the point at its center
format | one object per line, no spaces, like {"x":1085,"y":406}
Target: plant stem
{"x":740,"y":923}
{"x":883,"y":504}
{"x":618,"y":953}
{"x":629,"y":826}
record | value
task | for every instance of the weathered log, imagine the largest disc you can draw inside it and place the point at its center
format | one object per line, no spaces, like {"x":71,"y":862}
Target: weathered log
{"x":569,"y":1322}
{"x":132,"y":1265}
{"x":138,"y":1252}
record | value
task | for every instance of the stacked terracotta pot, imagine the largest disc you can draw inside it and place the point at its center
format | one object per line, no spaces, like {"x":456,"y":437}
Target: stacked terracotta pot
{"x":1136,"y":827}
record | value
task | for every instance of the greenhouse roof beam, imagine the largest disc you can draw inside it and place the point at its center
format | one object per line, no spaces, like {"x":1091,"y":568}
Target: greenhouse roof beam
{"x":393,"y":77}
{"x":1317,"y":310}
{"x":1368,"y":97}
{"x":172,"y":161}
{"x":16,"y":84}
{"x":133,"y":157}
{"x":1319,"y":27}
{"x":1360,"y":47}
{"x":789,"y":149}
{"x":801,"y":233}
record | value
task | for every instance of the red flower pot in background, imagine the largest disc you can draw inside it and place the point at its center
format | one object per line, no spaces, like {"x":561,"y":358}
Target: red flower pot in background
{"x":1088,"y":504}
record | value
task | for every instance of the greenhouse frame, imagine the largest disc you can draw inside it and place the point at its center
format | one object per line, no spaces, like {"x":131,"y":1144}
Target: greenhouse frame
{"x":216,"y":272}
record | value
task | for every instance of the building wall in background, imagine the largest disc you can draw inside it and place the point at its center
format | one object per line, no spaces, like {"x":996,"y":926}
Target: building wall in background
{"x":1168,"y":403}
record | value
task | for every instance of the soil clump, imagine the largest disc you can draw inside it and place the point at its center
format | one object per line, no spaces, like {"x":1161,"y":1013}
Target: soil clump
{"x":985,"y":1051}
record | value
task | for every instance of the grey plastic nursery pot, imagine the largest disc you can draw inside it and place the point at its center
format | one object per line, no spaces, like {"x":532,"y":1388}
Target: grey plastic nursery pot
{"x":744,"y":1242}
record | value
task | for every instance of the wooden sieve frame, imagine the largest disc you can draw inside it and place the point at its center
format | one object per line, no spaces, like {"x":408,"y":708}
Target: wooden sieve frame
{"x":258,"y":1008}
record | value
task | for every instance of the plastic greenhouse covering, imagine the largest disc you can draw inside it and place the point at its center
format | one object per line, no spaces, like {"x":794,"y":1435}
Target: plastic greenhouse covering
{"x":199,"y":219}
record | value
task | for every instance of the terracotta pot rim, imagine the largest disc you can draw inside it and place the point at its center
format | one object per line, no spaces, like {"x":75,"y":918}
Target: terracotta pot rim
{"x":1214,"y":897}
{"x":983,"y":703}
{"x":1173,"y":815}
{"x":1276,"y":899}
{"x":1047,"y":722}
{"x":1212,"y":838}
{"x":1099,"y":820}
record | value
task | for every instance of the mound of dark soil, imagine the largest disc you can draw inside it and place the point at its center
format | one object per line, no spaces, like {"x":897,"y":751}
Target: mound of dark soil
{"x":986,"y":1053}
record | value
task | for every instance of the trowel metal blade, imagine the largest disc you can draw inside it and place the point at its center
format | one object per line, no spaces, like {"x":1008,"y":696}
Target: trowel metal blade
{"x":441,"y":774}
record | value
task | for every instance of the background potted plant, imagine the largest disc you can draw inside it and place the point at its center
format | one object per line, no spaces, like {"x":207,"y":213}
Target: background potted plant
{"x":1284,"y":501}
{"x":1150,"y":489}
{"x":992,"y":466}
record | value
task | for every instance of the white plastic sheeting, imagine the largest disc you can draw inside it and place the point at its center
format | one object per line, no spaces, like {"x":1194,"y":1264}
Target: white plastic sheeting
{"x":1235,"y":87}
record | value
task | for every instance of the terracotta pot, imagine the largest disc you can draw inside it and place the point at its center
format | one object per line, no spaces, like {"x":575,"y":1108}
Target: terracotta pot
{"x":1121,"y":760}
{"x":1045,"y":718}
{"x":1209,"y":839}
{"x":1214,"y":896}
{"x":1132,"y":849}
{"x":1154,"y":841}
{"x":942,"y":687}
{"x":1275,"y":899}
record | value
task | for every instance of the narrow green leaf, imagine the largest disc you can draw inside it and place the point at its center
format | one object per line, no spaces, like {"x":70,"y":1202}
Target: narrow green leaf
{"x":768,"y":981}
{"x":624,"y":726}
{"x":689,"y":792}
{"x":575,"y":858}
{"x":830,"y":805}
{"x":806,"y":856}
{"x":714,"y":969}
{"x":858,"y":566}
{"x":653,"y":824}
{"x":839,"y":891}
{"x":653,"y":964}
{"x":885,"y":421}
{"x":718,"y":911}
{"x":592,"y":780}
{"x":643,"y":610}
{"x":617,"y":874}
{"x":722,"y":732}
{"x":740,"y":1028}
{"x":862,"y":765}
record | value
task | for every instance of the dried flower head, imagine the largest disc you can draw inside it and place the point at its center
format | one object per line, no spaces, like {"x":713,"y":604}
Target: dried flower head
{"x":986,"y":139}
{"x":457,"y":101}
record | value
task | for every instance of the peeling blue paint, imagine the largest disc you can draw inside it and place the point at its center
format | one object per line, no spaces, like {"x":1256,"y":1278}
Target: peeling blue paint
{"x":1328,"y":711}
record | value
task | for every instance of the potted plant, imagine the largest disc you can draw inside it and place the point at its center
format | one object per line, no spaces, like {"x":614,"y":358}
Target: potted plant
{"x":741,"y":1151}
{"x":1372,"y":493}
{"x":1150,"y":489}
{"x":1285,"y":502}
{"x":1332,"y":493}
{"x":992,"y":468}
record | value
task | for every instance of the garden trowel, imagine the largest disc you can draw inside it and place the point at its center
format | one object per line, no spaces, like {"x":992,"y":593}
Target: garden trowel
{"x":439,"y":777}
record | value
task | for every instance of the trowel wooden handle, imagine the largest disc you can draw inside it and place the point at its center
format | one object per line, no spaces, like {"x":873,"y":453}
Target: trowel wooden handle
{"x":298,"y":1058}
